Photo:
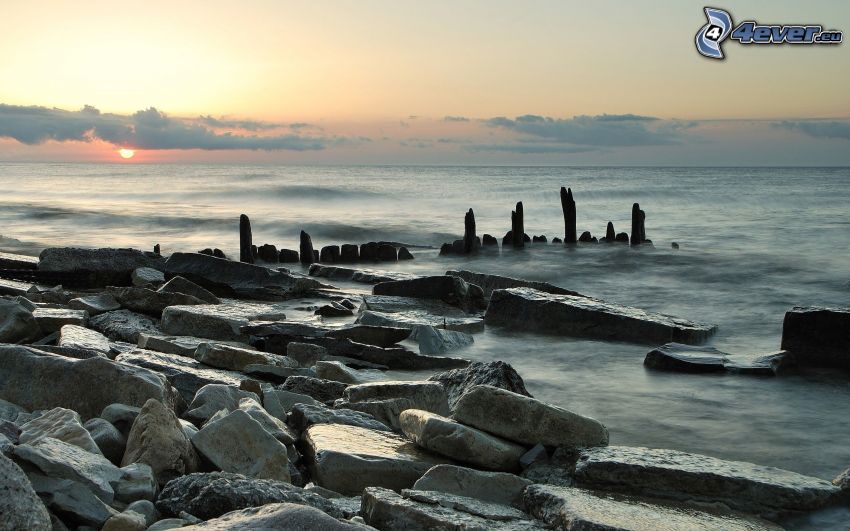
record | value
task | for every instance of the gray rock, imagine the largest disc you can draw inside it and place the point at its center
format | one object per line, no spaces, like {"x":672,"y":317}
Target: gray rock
{"x":20,"y":507}
{"x":217,"y":321}
{"x":495,"y":487}
{"x":108,"y":439}
{"x":409,"y":319}
{"x":339,"y":372}
{"x":37,"y":380}
{"x":363,"y":276}
{"x":273,"y":426}
{"x":451,"y":290}
{"x":682,"y":476}
{"x":126,"y":521}
{"x":435,"y":341}
{"x":462,"y":443}
{"x":157,"y":440}
{"x":147,"y":509}
{"x":526,"y":420}
{"x":347,"y":459}
{"x":535,"y":455}
{"x":386,"y":411}
{"x":380,"y":336}
{"x":169,"y":523}
{"x":137,"y":483}
{"x":429,"y":396}
{"x":322,"y":390}
{"x":305,"y":354}
{"x":334,"y":309}
{"x":123,"y":325}
{"x":818,"y":337}
{"x":17,"y":323}
{"x":214,"y":494}
{"x":237,"y":358}
{"x":490,"y":283}
{"x":79,"y":337}
{"x":71,"y":498}
{"x":9,"y":411}
{"x":95,"y":304}
{"x":529,"y":310}
{"x":303,"y":416}
{"x":121,"y":416}
{"x":494,"y":373}
{"x":279,"y":402}
{"x":179,"y":284}
{"x":58,"y":423}
{"x":238,"y":443}
{"x":145,"y":276}
{"x":277,"y":516}
{"x":180,"y":345}
{"x":763,"y":365}
{"x":115,"y":261}
{"x":53,"y":319}
{"x":686,"y":358}
{"x":150,"y":302}
{"x":214,"y":397}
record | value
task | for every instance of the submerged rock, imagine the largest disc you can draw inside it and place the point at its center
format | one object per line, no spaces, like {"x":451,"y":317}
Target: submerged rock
{"x":435,"y":341}
{"x":818,"y":337}
{"x":686,"y":358}
{"x":363,"y":276}
{"x":494,"y":373}
{"x":490,"y":283}
{"x":451,"y":290}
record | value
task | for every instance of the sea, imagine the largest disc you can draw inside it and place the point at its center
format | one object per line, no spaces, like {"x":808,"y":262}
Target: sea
{"x":752,"y":244}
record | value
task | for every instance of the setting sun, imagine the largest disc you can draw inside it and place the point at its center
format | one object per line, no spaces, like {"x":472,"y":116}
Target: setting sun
{"x":126,"y":153}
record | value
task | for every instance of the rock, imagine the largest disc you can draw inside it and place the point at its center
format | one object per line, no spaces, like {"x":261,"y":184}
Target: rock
{"x":369,"y":252}
{"x":275,"y":373}
{"x":414,"y":318}
{"x":245,"y":240}
{"x":82,"y":338}
{"x":535,"y":455}
{"x":180,"y":345}
{"x":517,"y":227}
{"x":277,"y":516}
{"x":349,"y":253}
{"x":61,"y":424}
{"x":288,"y":256}
{"x":115,"y":262}
{"x":404,"y":254}
{"x":305,"y":415}
{"x":526,"y":420}
{"x":9,"y":411}
{"x":387,"y":253}
{"x":570,"y":508}
{"x":236,"y":358}
{"x":334,"y":310}
{"x":451,"y":290}
{"x":71,"y":499}
{"x":637,"y":219}
{"x":20,"y":507}
{"x":818,"y":337}
{"x":499,"y":374}
{"x":95,"y":304}
{"x":586,"y":237}
{"x":150,"y":302}
{"x":495,"y":487}
{"x":765,"y":365}
{"x":490,"y":283}
{"x":123,"y":325}
{"x":268,"y":253}
{"x":278,"y":402}
{"x":121,"y":416}
{"x":380,"y":336}
{"x":415,"y":509}
{"x":273,"y":426}
{"x":386,"y":411}
{"x":52,"y":319}
{"x":682,"y":476}
{"x":214,"y":397}
{"x":339,"y":372}
{"x":37,"y":380}
{"x":147,"y":509}
{"x":435,"y":341}
{"x":429,"y":396}
{"x":306,"y":249}
{"x":363,"y":276}
{"x":17,"y":323}
{"x":169,"y":523}
{"x":238,"y":443}
{"x":137,"y":483}
{"x":347,"y":459}
{"x":157,"y":440}
{"x":179,"y":284}
{"x":568,"y":205}
{"x":216,"y":321}
{"x":424,"y":311}
{"x":145,"y":276}
{"x":329,"y":254}
{"x":622,"y":237}
{"x":462,"y":443}
{"x":322,"y":390}
{"x":108,"y":439}
{"x":685,"y":358}
{"x":534,"y":311}
{"x":126,"y":521}
{"x":610,"y":234}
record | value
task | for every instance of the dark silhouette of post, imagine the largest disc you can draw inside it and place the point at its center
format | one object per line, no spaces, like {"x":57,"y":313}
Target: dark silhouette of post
{"x":610,"y":235}
{"x":569,"y":207}
{"x":518,"y":227}
{"x":636,"y":224}
{"x":245,"y":240}
{"x":307,"y":255}
{"x":642,"y":226}
{"x":469,"y":237}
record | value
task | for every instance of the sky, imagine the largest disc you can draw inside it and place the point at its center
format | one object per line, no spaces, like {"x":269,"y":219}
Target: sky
{"x":404,"y":82}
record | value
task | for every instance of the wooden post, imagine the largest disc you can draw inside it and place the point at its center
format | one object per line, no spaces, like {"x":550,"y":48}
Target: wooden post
{"x":307,"y":255}
{"x":610,"y":235}
{"x":245,"y":240}
{"x":470,"y":243}
{"x":518,"y":227}
{"x":569,"y":207}
{"x":636,"y":223}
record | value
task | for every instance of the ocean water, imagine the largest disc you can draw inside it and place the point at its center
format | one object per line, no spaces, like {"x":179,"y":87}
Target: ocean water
{"x":753,"y":243}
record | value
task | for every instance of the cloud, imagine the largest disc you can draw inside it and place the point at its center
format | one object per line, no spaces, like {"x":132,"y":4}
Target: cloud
{"x":146,"y":129}
{"x":608,"y":130}
{"x":819,"y":129}
{"x":247,"y":125}
{"x":529,"y":148}
{"x":455,"y":119}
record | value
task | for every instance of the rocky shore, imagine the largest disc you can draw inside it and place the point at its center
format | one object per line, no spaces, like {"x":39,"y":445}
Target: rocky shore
{"x":192,"y":391}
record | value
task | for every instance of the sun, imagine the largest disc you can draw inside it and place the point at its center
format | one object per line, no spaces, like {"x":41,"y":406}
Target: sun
{"x":126,"y":153}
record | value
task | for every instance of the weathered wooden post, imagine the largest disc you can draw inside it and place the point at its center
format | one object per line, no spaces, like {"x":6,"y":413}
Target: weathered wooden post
{"x":470,"y":240}
{"x":569,"y":207}
{"x":610,"y":235}
{"x":636,"y":224}
{"x":518,"y":227}
{"x":245,"y":240}
{"x":642,"y":226}
{"x":307,"y":255}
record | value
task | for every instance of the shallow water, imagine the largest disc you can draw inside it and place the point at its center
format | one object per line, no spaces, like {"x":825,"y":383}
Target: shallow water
{"x":754,"y":242}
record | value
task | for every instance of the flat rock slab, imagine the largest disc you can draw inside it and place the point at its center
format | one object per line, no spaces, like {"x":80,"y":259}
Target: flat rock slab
{"x":106,"y":259}
{"x":179,"y":284}
{"x":181,"y":345}
{"x":276,"y":516}
{"x":818,"y":337}
{"x":237,"y":358}
{"x":364,"y":276}
{"x":437,"y":341}
{"x":213,"y":398}
{"x":82,"y":338}
{"x":677,"y":357}
{"x":124,"y":325}
{"x":305,"y":415}
{"x":495,"y":487}
{"x":95,"y":304}
{"x":684,"y":476}
{"x":61,"y":424}
{"x":529,"y":310}
{"x":491,"y":283}
{"x":430,"y":396}
{"x":380,"y":336}
{"x":413,"y":318}
{"x":347,"y":459}
{"x":217,"y":321}
{"x":577,"y":509}
{"x":150,"y":302}
{"x":53,"y":319}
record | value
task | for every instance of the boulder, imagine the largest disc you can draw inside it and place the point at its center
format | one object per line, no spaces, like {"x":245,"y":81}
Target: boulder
{"x":305,"y":354}
{"x":279,"y":402}
{"x":147,"y":509}
{"x":273,"y":426}
{"x":451,"y":290}
{"x":277,"y":516}
{"x":347,"y":459}
{"x":108,"y":439}
{"x":339,"y":372}
{"x":20,"y":507}
{"x":17,"y":323}
{"x":148,"y":301}
{"x":61,"y":424}
{"x":71,"y":499}
{"x":237,"y":358}
{"x":53,"y":319}
{"x":386,"y":411}
{"x":818,"y":337}
{"x":495,"y":487}
{"x":9,"y":411}
{"x":436,"y":341}
{"x":494,"y":373}
{"x":288,"y":256}
{"x":37,"y":380}
{"x":137,"y":483}
{"x":238,"y":443}
{"x":217,"y":321}
{"x":686,"y":358}
{"x":571,"y":508}
{"x":404,"y":254}
{"x":525,"y":420}
{"x":764,"y":365}
{"x":429,"y":396}
{"x":157,"y":440}
{"x":302,"y":416}
{"x":121,"y":416}
{"x":123,"y":325}
{"x":306,"y":249}
{"x":95,"y":304}
{"x":490,"y":283}
{"x":179,"y":284}
{"x":462,"y":443}
{"x":530,"y":310}
{"x":379,"y":336}
{"x":329,"y":254}
{"x":322,"y":390}
{"x":82,"y":338}
{"x":214,"y":397}
{"x":410,"y":319}
{"x":334,"y":309}
{"x":268,"y":253}
{"x":106,"y":259}
{"x":683,"y":476}
{"x":146,"y":276}
{"x":126,"y":521}
{"x":363,"y":276}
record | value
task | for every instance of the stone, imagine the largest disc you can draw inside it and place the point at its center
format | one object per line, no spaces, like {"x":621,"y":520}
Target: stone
{"x":387,"y":253}
{"x":586,"y":237}
{"x":413,"y":318}
{"x":157,"y":440}
{"x":534,"y":311}
{"x":118,"y":262}
{"x":683,"y":476}
{"x":95,"y":304}
{"x":517,"y":227}
{"x":369,"y":251}
{"x":415,"y":509}
{"x":169,"y":523}
{"x":637,"y":221}
{"x":268,"y":253}
{"x":495,"y":487}
{"x":145,"y":276}
{"x":568,"y":205}
{"x":121,"y":416}
{"x":126,"y":521}
{"x":52,"y":319}
{"x":339,"y":372}
{"x":237,"y":358}
{"x":82,"y":338}
{"x":137,"y":483}
{"x":380,"y":336}
{"x":570,"y":508}
{"x":334,"y":309}
{"x":386,"y":411}
{"x":20,"y":507}
{"x":61,"y":424}
{"x":451,"y":290}
{"x":435,"y":341}
{"x":404,"y":254}
{"x":245,"y":240}
{"x":490,"y":283}
{"x":148,"y":301}
{"x":17,"y":323}
{"x":147,"y":509}
{"x":818,"y":337}
{"x":462,"y":443}
{"x":238,"y":443}
{"x":322,"y":390}
{"x":108,"y":439}
{"x":179,"y":284}
{"x":686,"y":358}
{"x":306,"y":249}
{"x":499,"y":374}
{"x":349,"y":253}
{"x":276,"y":516}
{"x":123,"y":325}
{"x":347,"y":459}
{"x":180,"y":345}
{"x":429,"y":396}
{"x":288,"y":256}
{"x":329,"y":254}
{"x":535,"y":455}
{"x":36,"y":380}
{"x":72,"y":499}
{"x":363,"y":276}
{"x":214,"y":397}
{"x":302,"y":416}
{"x":764,"y":365}
{"x":273,"y":426}
{"x":525,"y":420}
{"x":9,"y":411}
{"x":279,"y":402}
{"x":216,"y":321}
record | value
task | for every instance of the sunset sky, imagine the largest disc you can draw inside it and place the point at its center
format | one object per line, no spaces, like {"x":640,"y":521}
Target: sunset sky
{"x":469,"y":82}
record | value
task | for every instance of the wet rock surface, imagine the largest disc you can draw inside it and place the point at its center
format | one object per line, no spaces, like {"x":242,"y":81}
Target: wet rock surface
{"x":490,"y":283}
{"x":686,"y":358}
{"x":20,"y":506}
{"x":818,"y":337}
{"x":123,"y":325}
{"x":499,"y":374}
